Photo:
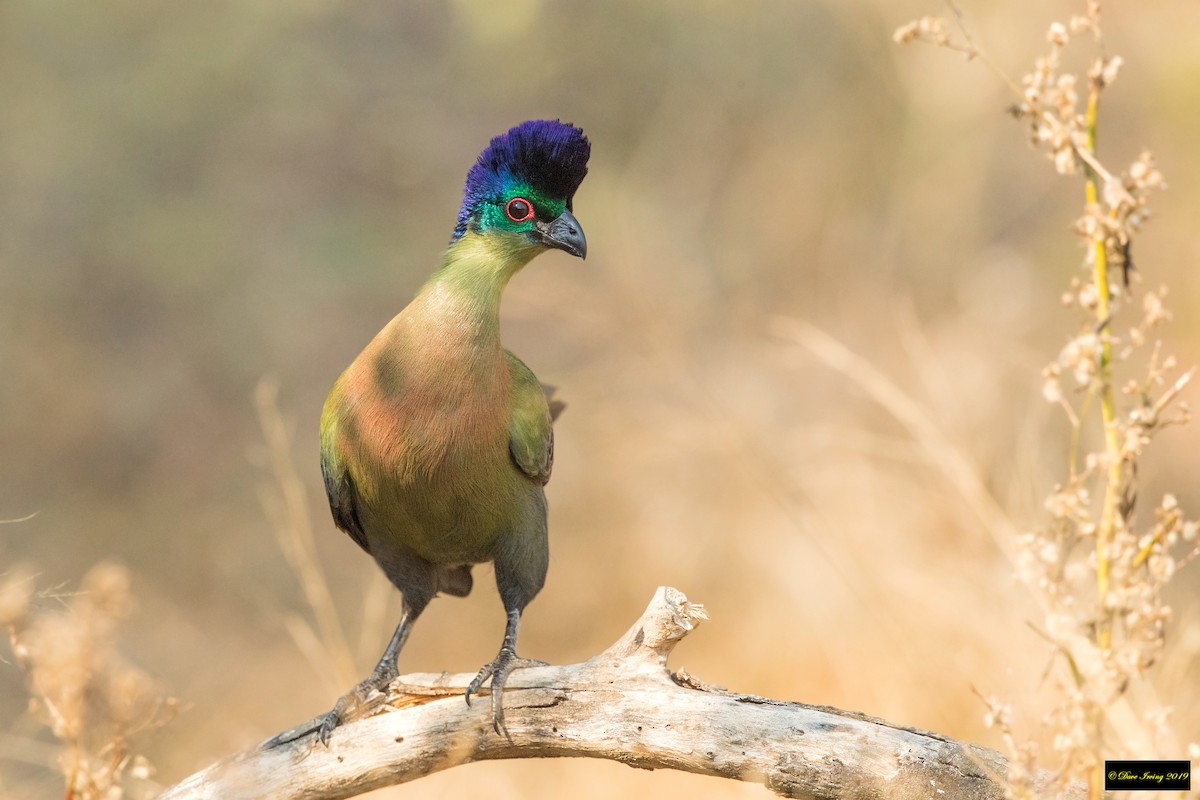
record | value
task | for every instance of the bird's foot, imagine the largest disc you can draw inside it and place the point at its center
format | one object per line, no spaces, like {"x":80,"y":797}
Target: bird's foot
{"x":355,"y":704}
{"x":505,"y":662}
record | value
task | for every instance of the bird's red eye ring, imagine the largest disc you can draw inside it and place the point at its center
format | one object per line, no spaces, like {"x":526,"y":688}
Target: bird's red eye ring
{"x":519,"y":209}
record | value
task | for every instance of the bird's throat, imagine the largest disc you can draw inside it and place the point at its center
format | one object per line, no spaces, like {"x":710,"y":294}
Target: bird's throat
{"x":474,"y":272}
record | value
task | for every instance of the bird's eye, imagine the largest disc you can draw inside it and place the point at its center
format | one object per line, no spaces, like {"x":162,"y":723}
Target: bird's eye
{"x":519,"y":209}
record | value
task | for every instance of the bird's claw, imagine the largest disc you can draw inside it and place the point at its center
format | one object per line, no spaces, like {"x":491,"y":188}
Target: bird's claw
{"x":355,"y":704}
{"x":326,"y":726}
{"x":498,"y":670}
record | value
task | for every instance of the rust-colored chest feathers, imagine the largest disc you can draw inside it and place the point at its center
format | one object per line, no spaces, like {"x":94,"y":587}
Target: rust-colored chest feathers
{"x":429,"y":393}
{"x":420,"y":426}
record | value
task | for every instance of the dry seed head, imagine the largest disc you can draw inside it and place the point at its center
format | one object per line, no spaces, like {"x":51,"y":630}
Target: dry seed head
{"x":907,"y":32}
{"x":1057,"y":35}
{"x":1066,"y":96}
{"x":1161,"y":567}
{"x":1064,"y":161}
{"x":929,"y":29}
{"x":1154,"y":309}
{"x":1144,"y":176}
{"x":141,"y":769}
{"x":61,"y":653}
{"x":998,"y":714}
{"x":107,"y":589}
{"x":1069,"y":502}
{"x":1089,"y":297}
{"x":1111,"y":67}
{"x":1051,"y":388}
{"x":1135,"y":437}
{"x":1114,"y":193}
{"x":1081,"y":356}
{"x":1087,"y":227}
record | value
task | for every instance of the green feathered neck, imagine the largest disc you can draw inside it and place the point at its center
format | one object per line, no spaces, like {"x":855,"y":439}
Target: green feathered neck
{"x":477,"y":266}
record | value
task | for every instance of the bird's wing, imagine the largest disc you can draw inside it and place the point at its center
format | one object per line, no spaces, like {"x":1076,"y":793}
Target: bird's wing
{"x":530,"y":435}
{"x":339,"y":488}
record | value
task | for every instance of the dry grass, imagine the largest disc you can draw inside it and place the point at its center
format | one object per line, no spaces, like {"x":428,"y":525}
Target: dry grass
{"x":94,"y":701}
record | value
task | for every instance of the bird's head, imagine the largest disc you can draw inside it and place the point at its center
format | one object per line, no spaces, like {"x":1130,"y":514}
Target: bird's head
{"x":522,"y":185}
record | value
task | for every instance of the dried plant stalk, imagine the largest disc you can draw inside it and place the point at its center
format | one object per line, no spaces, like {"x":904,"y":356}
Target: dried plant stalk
{"x":93,"y":700}
{"x":1092,"y":535}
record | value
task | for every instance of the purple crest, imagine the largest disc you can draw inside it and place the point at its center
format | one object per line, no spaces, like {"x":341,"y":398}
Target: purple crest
{"x":548,"y":155}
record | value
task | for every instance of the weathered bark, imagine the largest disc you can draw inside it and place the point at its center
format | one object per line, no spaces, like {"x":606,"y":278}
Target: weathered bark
{"x":624,"y":705}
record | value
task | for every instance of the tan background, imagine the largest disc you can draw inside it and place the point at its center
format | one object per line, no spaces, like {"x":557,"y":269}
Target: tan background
{"x":199,"y":194}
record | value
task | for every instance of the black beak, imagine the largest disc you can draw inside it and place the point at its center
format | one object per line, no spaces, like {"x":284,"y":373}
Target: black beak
{"x":565,"y":233}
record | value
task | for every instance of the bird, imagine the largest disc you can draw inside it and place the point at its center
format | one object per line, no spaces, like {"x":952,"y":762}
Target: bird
{"x":437,"y":442}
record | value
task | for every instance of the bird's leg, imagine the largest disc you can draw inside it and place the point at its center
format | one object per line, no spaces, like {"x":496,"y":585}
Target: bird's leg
{"x":362,"y":698}
{"x":498,"y":670}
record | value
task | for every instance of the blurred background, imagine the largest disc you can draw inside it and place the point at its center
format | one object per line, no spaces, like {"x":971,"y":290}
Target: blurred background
{"x":200,"y":195}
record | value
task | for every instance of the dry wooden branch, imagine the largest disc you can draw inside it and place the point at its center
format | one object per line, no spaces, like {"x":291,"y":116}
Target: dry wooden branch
{"x":625,"y":705}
